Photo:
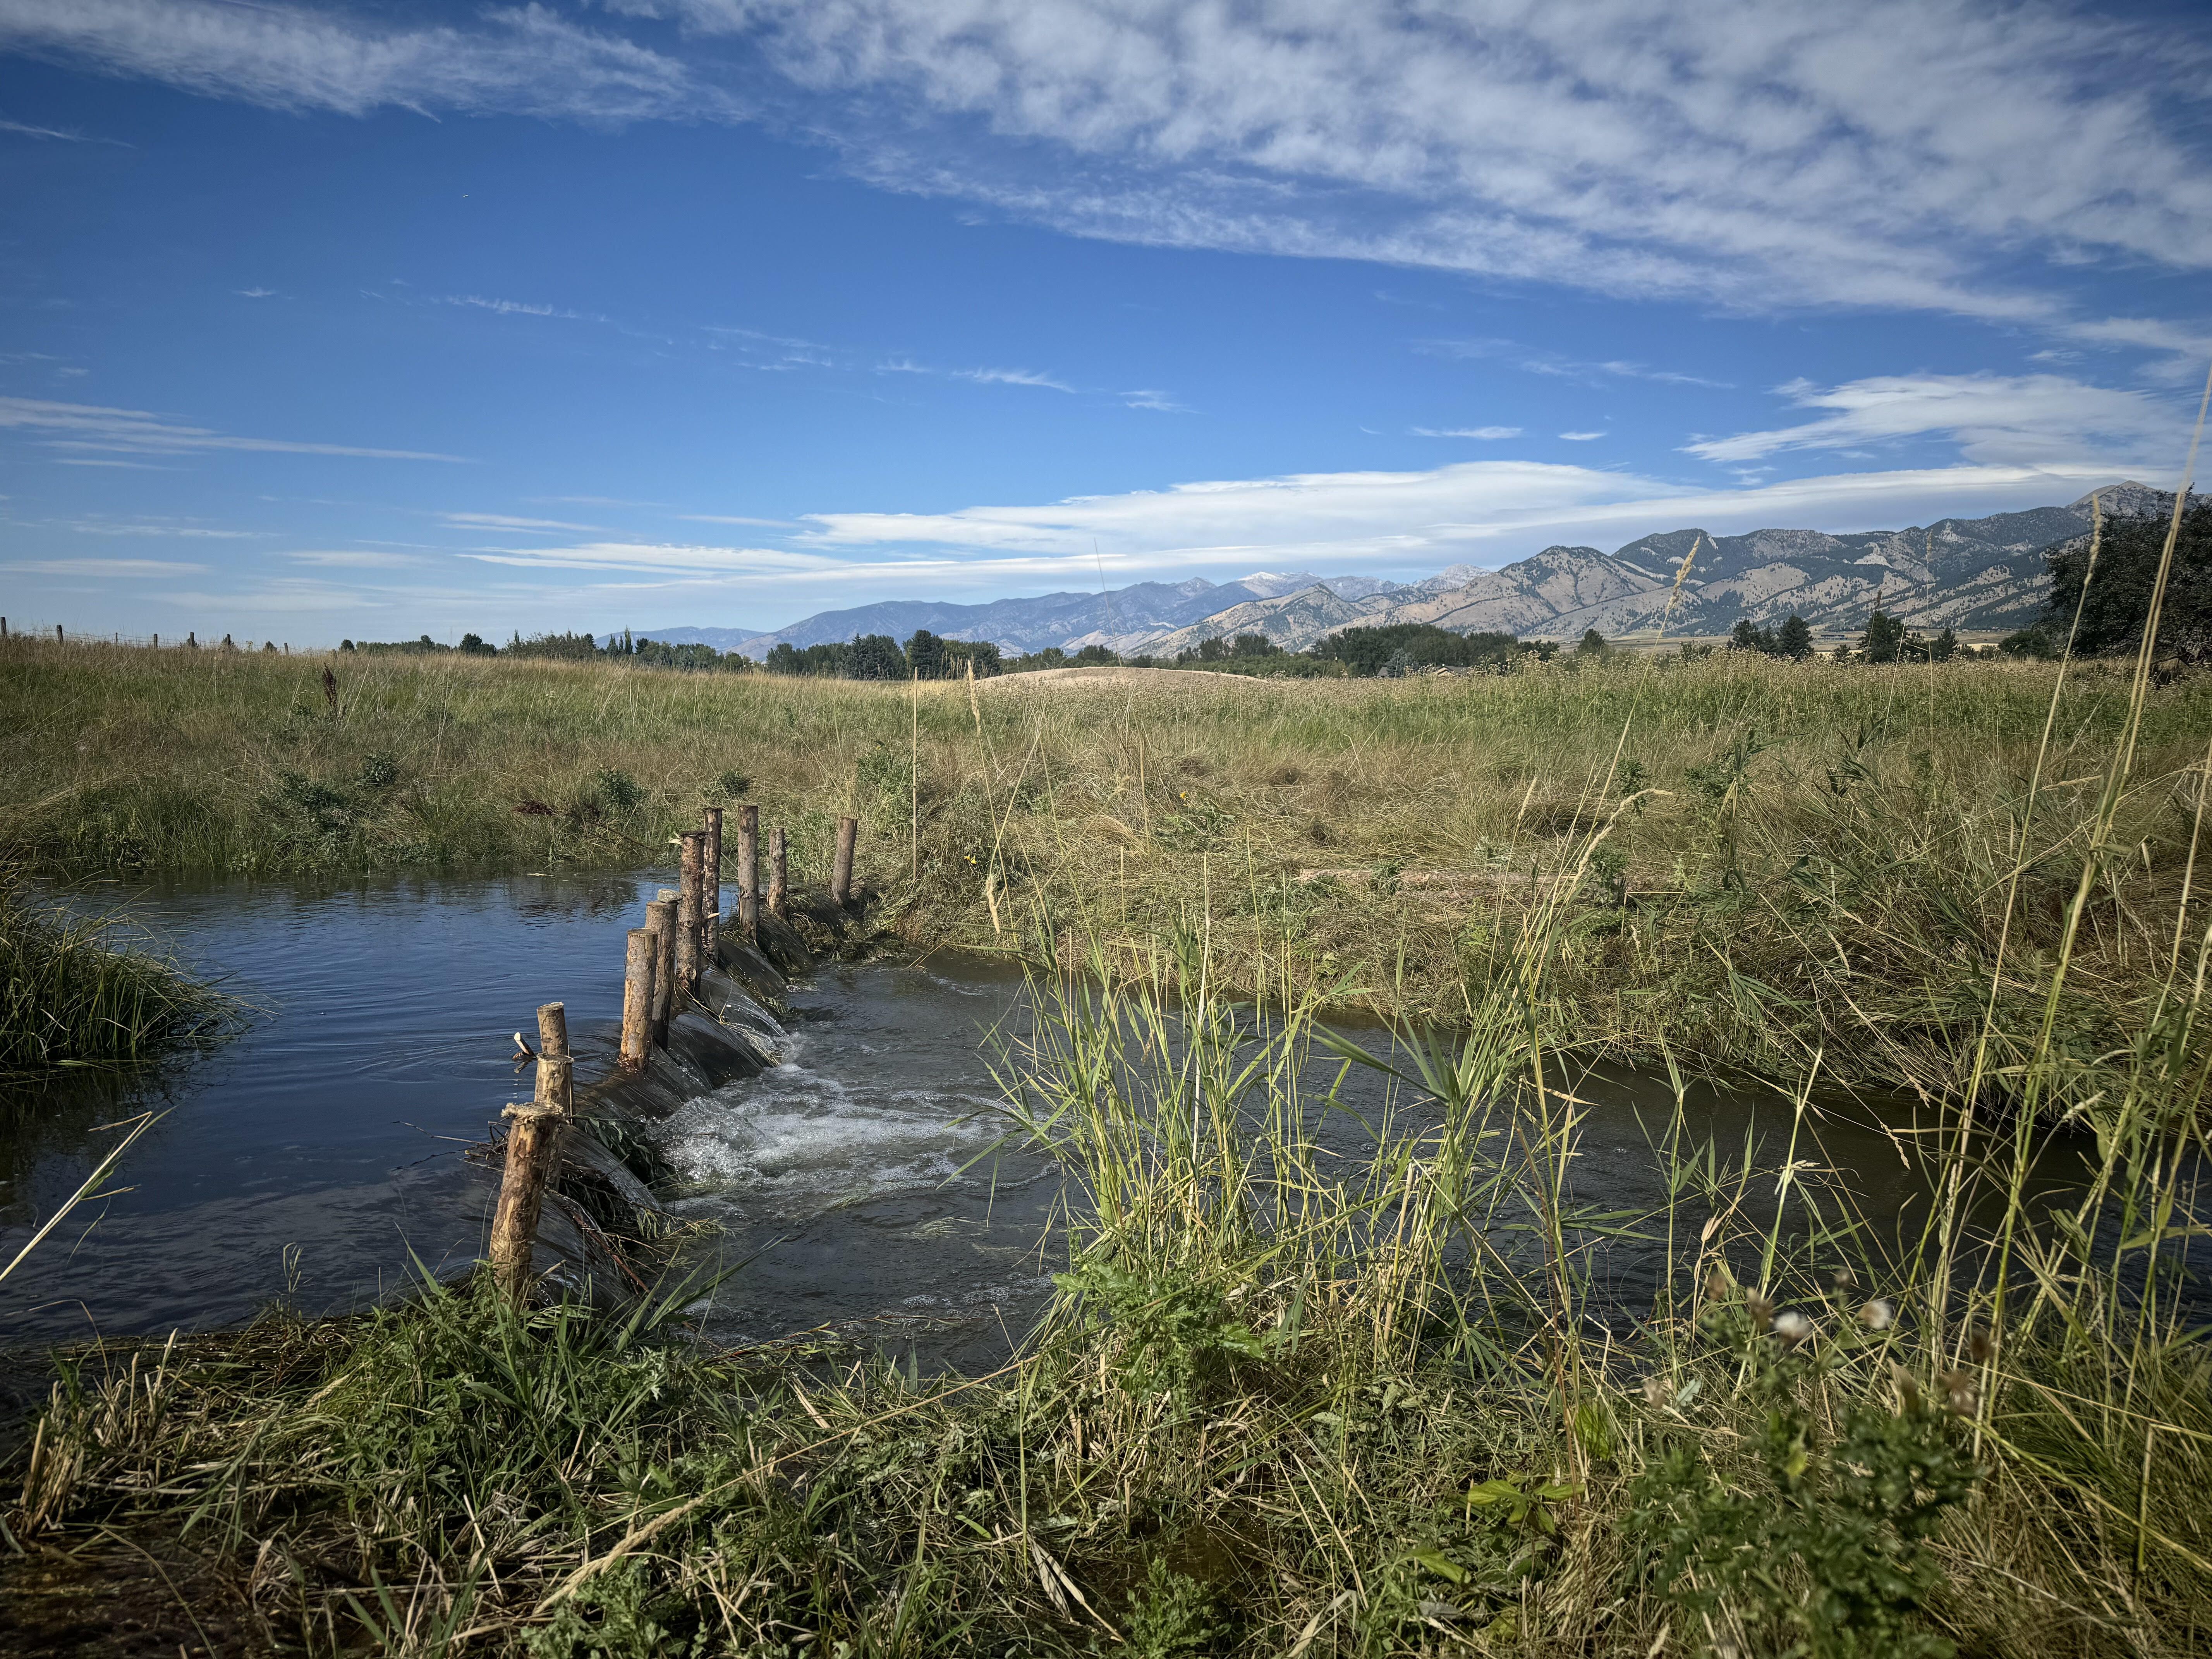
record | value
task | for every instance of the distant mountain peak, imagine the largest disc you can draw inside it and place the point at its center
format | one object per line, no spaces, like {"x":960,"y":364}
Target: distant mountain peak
{"x":1986,"y":573}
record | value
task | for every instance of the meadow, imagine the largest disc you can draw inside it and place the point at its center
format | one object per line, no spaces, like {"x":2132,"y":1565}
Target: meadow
{"x":1285,"y":1401}
{"x":1774,"y":866}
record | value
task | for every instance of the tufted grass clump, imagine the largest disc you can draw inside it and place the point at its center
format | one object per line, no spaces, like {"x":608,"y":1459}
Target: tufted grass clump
{"x":73,"y":999}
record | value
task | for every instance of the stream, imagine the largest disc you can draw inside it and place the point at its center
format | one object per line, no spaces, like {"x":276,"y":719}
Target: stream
{"x":315,"y":1159}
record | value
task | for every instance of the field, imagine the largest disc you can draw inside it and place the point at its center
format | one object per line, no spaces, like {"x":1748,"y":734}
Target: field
{"x":1767,"y":865}
{"x":1285,"y":1403}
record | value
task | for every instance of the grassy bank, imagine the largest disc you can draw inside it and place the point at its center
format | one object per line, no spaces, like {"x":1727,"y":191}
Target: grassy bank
{"x":1292,"y":1402}
{"x":1285,"y":1403}
{"x":74,"y":997}
{"x":1798,"y":864}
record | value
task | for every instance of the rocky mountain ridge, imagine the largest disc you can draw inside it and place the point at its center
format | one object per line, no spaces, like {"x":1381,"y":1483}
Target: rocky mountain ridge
{"x":1966,"y":574}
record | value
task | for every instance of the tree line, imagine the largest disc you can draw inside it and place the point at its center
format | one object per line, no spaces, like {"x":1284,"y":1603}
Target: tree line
{"x":2104,"y":607}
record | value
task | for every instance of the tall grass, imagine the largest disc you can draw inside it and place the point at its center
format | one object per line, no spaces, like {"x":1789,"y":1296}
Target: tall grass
{"x":1818,"y":863}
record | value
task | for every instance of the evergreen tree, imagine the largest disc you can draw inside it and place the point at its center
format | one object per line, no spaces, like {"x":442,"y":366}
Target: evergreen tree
{"x":1749,"y":636}
{"x":1795,"y":641}
{"x":1944,"y":647}
{"x":1885,"y":638}
{"x":925,"y":655}
{"x":1593,"y":644}
{"x":2119,"y":600}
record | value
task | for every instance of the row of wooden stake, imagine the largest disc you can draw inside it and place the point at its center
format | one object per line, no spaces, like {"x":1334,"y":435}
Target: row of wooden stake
{"x":661,"y":969}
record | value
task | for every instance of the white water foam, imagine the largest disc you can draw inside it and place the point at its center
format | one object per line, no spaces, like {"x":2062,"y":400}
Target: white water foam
{"x":792,"y":1140}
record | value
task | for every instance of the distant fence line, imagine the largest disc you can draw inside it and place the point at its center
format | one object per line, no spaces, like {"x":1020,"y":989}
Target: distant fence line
{"x":55,"y":633}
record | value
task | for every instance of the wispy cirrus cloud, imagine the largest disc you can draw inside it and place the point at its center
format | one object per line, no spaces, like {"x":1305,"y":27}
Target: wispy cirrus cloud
{"x":2027,"y":418}
{"x":525,"y":59}
{"x":1485,"y":434}
{"x":103,"y":568}
{"x":354,"y":559}
{"x":89,"y":426}
{"x":1733,"y":153}
{"x":980,"y":376}
{"x":508,"y":521}
{"x":63,"y":135}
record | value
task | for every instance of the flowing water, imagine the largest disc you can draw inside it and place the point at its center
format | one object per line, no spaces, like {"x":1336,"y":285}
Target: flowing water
{"x":864,"y":1183}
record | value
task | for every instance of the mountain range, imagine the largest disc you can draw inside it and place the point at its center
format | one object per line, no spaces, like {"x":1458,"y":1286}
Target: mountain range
{"x":1966,"y":574}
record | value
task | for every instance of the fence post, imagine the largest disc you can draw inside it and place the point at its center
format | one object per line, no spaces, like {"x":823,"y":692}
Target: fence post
{"x":58,"y":634}
{"x":660,"y":923}
{"x":556,"y":1067}
{"x":530,"y":1138}
{"x":749,"y":874}
{"x":691,"y":869}
{"x":710,"y":910}
{"x":779,"y":887}
{"x":640,"y":959}
{"x":841,"y":875}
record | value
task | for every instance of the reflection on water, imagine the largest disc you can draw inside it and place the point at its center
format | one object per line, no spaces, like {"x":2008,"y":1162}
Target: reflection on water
{"x":863,"y":1177}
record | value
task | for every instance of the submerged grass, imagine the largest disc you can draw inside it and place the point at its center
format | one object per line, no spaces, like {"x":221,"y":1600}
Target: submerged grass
{"x":1798,"y":862}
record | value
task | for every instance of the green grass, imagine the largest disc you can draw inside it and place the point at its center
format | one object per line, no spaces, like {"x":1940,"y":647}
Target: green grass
{"x":1801,"y":865}
{"x":1284,"y":1401}
{"x":73,"y":1000}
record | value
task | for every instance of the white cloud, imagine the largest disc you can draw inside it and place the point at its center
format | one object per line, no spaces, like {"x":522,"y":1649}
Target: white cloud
{"x":1486,"y":433}
{"x":1536,"y":359}
{"x":343,"y":559}
{"x":523,"y":60}
{"x":87,"y":426}
{"x":1484,"y":512}
{"x":1581,"y":437}
{"x":1898,"y":153}
{"x":253,"y":292}
{"x":1892,"y":154}
{"x":1010,"y":377}
{"x":980,"y":376}
{"x":504,"y":521}
{"x":102,"y":567}
{"x":24,"y":130}
{"x":1159,"y":402}
{"x":2023,"y":419}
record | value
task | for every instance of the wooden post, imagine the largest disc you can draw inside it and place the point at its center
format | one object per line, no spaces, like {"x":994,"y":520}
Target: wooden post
{"x":58,"y":634}
{"x":841,"y":874}
{"x":711,"y":905}
{"x":660,"y":923}
{"x":691,"y":872}
{"x":749,"y":874}
{"x":779,"y":875}
{"x":641,"y":957}
{"x":530,"y":1149}
{"x":556,"y":1067}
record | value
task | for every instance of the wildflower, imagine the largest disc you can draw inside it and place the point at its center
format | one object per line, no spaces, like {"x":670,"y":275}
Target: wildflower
{"x":1878,"y":1315}
{"x":1844,"y":1279}
{"x":1792,"y":1328}
{"x":1655,"y":1390}
{"x":1983,"y":1347}
{"x":1717,"y":1283}
{"x":1760,"y":1303}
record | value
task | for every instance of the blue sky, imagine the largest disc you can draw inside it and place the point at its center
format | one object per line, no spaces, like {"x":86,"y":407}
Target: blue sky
{"x":386,"y":318}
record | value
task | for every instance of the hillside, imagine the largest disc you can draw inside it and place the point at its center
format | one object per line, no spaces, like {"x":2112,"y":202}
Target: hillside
{"x":1985,"y":572}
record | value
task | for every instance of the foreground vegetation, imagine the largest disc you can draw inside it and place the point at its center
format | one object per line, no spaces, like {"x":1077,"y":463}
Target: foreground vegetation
{"x":1285,"y":1403}
{"x":1780,"y":864}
